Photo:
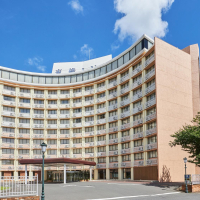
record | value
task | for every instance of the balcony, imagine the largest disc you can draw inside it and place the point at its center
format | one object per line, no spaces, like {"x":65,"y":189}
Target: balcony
{"x":124,"y":78}
{"x":21,"y":94}
{"x":137,"y":96}
{"x":65,"y":156}
{"x":20,"y":135}
{"x":38,"y":136}
{"x":125,"y":138}
{"x":23,"y":125}
{"x":113,"y":95}
{"x":100,"y":143}
{"x":77,"y":94}
{"x":137,"y":70}
{"x":113,"y":118}
{"x":7,"y":168}
{"x":90,"y":123}
{"x":38,"y":126}
{"x":52,"y":156}
{"x":125,"y":114}
{"x":151,"y":146}
{"x":112,"y":107}
{"x":151,"y":117}
{"x":89,"y":144}
{"x":89,"y":155}
{"x":64,"y":136}
{"x":64,"y":105}
{"x":77,"y":114}
{"x":52,"y":96}
{"x":38,"y":96}
{"x":101,"y":154}
{"x":125,"y":126}
{"x":113,"y":141}
{"x":63,"y":146}
{"x":101,"y":166}
{"x":62,"y":116}
{"x":35,"y":156}
{"x":9,"y":124}
{"x":113,"y":153}
{"x":113,"y":165}
{"x":24,"y":115}
{"x":64,"y":96}
{"x":150,"y":88}
{"x":149,"y":60}
{"x":101,"y":110}
{"x":9,"y":103}
{"x":64,"y":126}
{"x":136,"y":84}
{"x":52,"y":126}
{"x":150,"y":162}
{"x":88,"y":92}
{"x":7,"y":113}
{"x":78,"y":145}
{"x":8,"y":92}
{"x":24,"y":146}
{"x":49,"y":106}
{"x":125,"y":151}
{"x":51,"y":136}
{"x":112,"y":84}
{"x":88,"y":113}
{"x":124,"y":90}
{"x":87,"y":103}
{"x":101,"y":121}
{"x":138,"y":122}
{"x":87,"y":134}
{"x":77,"y":135}
{"x":151,"y":131}
{"x":52,"y":146}
{"x":150,"y":74}
{"x":150,"y":103}
{"x":138,"y":163}
{"x":7,"y":134}
{"x":52,"y":116}
{"x":38,"y":105}
{"x":137,"y":109}
{"x":138,"y":149}
{"x":126,"y":164}
{"x":113,"y":129}
{"x":100,"y":89}
{"x":101,"y":99}
{"x":125,"y":102}
{"x":77,"y":105}
{"x":41,"y":116}
{"x":138,"y":135}
{"x":24,"y":156}
{"x":24,"y":105}
{"x":77,"y":155}
{"x":36,"y":146}
{"x":7,"y":145}
{"x":77,"y":125}
{"x":101,"y":132}
{"x":7,"y":156}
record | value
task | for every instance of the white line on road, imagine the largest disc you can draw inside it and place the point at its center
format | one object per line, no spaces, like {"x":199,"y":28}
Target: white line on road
{"x":125,"y":197}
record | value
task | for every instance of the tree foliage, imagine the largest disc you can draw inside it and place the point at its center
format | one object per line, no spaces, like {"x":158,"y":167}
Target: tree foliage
{"x":188,"y":137}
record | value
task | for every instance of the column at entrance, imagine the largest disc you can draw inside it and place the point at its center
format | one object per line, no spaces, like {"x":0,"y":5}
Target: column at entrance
{"x":64,"y":173}
{"x":90,"y":173}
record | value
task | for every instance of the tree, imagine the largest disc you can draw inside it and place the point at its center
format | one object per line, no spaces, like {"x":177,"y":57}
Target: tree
{"x":188,"y":138}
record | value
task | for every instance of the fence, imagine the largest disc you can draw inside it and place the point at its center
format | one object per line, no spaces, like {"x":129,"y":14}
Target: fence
{"x":195,"y":179}
{"x":17,"y":186}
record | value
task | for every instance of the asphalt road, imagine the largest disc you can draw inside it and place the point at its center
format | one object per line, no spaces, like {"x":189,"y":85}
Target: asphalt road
{"x":96,"y":190}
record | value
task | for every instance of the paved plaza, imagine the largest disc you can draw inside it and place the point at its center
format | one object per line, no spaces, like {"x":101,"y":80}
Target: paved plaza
{"x":114,"y":190}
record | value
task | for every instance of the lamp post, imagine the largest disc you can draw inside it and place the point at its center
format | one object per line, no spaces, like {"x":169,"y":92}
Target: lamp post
{"x":43,"y":147}
{"x":186,"y":187}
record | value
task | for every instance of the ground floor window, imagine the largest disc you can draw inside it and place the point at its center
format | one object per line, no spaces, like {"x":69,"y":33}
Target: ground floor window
{"x":113,"y":173}
{"x":126,"y":173}
{"x":102,"y":174}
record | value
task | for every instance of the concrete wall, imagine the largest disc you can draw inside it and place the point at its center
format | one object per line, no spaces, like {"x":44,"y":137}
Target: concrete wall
{"x":174,"y":107}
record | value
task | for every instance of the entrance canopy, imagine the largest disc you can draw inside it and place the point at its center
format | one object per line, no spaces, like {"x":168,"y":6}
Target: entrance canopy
{"x":56,"y":162}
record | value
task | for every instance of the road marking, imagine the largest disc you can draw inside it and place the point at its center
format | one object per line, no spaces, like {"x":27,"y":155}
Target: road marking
{"x":125,"y":197}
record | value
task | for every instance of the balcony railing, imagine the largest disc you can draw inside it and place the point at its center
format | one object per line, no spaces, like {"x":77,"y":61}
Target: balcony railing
{"x":89,"y":144}
{"x":125,"y":126}
{"x":37,"y":157}
{"x":113,"y":153}
{"x":112,"y":84}
{"x":77,"y":125}
{"x":150,"y":103}
{"x":88,"y":92}
{"x":7,"y":145}
{"x":50,"y":126}
{"x":138,"y":163}
{"x":77,"y":155}
{"x":151,"y":146}
{"x":88,"y":113}
{"x":87,"y":103}
{"x":7,"y":113}
{"x":113,"y":165}
{"x":9,"y":124}
{"x":125,"y":138}
{"x":52,"y":146}
{"x":149,"y":60}
{"x":79,"y":104}
{"x":101,"y":154}
{"x":7,"y":168}
{"x":101,"y":110}
{"x":137,"y":109}
{"x":89,"y":133}
{"x":151,"y":162}
{"x":21,"y":94}
{"x":24,"y":156}
{"x":100,"y":143}
{"x":100,"y":132}
{"x":52,"y":106}
{"x":150,"y":88}
{"x":64,"y":126}
{"x":78,"y":145}
{"x":38,"y":105}
{"x":113,"y":118}
{"x":52,"y":96}
{"x":64,"y":96}
{"x":89,"y":155}
{"x":125,"y":151}
{"x":136,"y":83}
{"x":137,"y":122}
{"x":9,"y":103}
{"x":125,"y":102}
{"x":138,"y":135}
{"x":40,"y":96}
{"x":52,"y":156}
{"x":78,"y":135}
{"x":64,"y":116}
{"x":38,"y":116}
{"x":113,"y":95}
{"x":113,"y":129}
{"x":101,"y":99}
{"x":101,"y":166}
{"x":124,"y":78}
{"x":150,"y":117}
{"x":37,"y":136}
{"x":138,"y":149}
{"x":51,"y":136}
{"x":64,"y":136}
{"x":151,"y":131}
{"x":124,"y":90}
{"x":24,"y":105}
{"x":36,"y":146}
{"x":137,"y":70}
{"x":63,"y":146}
{"x":77,"y":114}
{"x":7,"y":134}
{"x":100,"y":89}
{"x":137,"y":96}
{"x":90,"y":123}
{"x":113,"y":141}
{"x":20,"y":135}
{"x":112,"y":107}
{"x":24,"y":146}
{"x":126,"y":164}
{"x":7,"y":156}
{"x":8,"y":92}
{"x":64,"y":105}
{"x":26,"y":115}
{"x":38,"y":125}
{"x":77,"y":94}
{"x":101,"y":121}
{"x":125,"y":114}
{"x":52,"y":116}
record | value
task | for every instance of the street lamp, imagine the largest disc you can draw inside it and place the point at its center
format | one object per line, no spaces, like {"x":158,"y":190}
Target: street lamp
{"x":186,"y":187}
{"x":43,"y":147}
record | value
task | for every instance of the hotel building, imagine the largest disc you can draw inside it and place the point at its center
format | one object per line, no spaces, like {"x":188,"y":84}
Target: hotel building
{"x":116,"y":112}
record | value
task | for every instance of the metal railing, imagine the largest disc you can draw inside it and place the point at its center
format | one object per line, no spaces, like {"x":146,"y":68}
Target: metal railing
{"x":18,"y":186}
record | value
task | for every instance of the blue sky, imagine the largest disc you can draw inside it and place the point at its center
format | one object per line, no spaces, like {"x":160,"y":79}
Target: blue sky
{"x":35,"y":34}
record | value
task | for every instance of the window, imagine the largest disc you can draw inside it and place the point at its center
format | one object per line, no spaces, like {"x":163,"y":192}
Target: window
{"x":78,"y":120}
{"x":89,"y":119}
{"x":64,"y":101}
{"x":101,"y":149}
{"x":64,"y":141}
{"x":90,"y":139}
{"x":37,"y":131}
{"x":101,"y":127}
{"x":77,"y":151}
{"x":9,"y":109}
{"x":52,"y":102}
{"x":52,"y":112}
{"x":124,"y":86}
{"x":25,"y":90}
{"x":113,"y":102}
{"x":38,"y":111}
{"x":23,"y":110}
{"x":101,"y":95}
{"x":51,"y":132}
{"x":64,"y":111}
{"x":102,"y":160}
{"x":5,"y":87}
{"x":151,"y":125}
{"x":38,"y":91}
{"x":90,"y":108}
{"x":152,"y":139}
{"x":101,"y":138}
{"x":25,"y":121}
{"x":120,"y":61}
{"x":52,"y":92}
{"x":64,"y":151}
{"x":24,"y":131}
{"x":138,"y":156}
{"x":88,"y":88}
{"x":64,"y":92}
{"x":77,"y":141}
{"x":7,"y":98}
{"x":77,"y":110}
{"x":126,"y":145}
{"x":51,"y":121}
{"x":24,"y":141}
{"x":126,"y":158}
{"x":113,"y":159}
{"x":24,"y":100}
{"x":64,"y":121}
{"x":113,"y":147}
{"x":38,"y":141}
{"x":51,"y":142}
{"x":64,"y":131}
{"x":8,"y":130}
{"x":8,"y":119}
{"x":7,"y":151}
{"x":7,"y":162}
{"x":23,"y":151}
{"x":89,"y":150}
{"x":101,"y":105}
{"x":77,"y":130}
{"x":138,"y":143}
{"x":102,"y":116}
{"x":89,"y":129}
{"x":90,"y":98}
{"x":114,"y":124}
{"x":8,"y":140}
{"x":37,"y":152}
{"x":152,"y":154}
{"x":138,"y":130}
{"x":113,"y":136}
{"x":51,"y":152}
{"x":36,"y":101}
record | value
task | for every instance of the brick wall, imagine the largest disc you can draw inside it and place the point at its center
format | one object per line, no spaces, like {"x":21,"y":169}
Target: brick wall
{"x":192,"y":188}
{"x":22,"y":198}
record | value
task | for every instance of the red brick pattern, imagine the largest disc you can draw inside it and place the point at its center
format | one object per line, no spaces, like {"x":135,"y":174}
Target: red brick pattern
{"x":192,"y":188}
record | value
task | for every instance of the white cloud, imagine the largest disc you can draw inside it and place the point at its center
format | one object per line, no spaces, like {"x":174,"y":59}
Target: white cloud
{"x":75,"y":56}
{"x":115,"y":46}
{"x":36,"y":62}
{"x":141,"y":17}
{"x":76,"y":6}
{"x":86,"y":50}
